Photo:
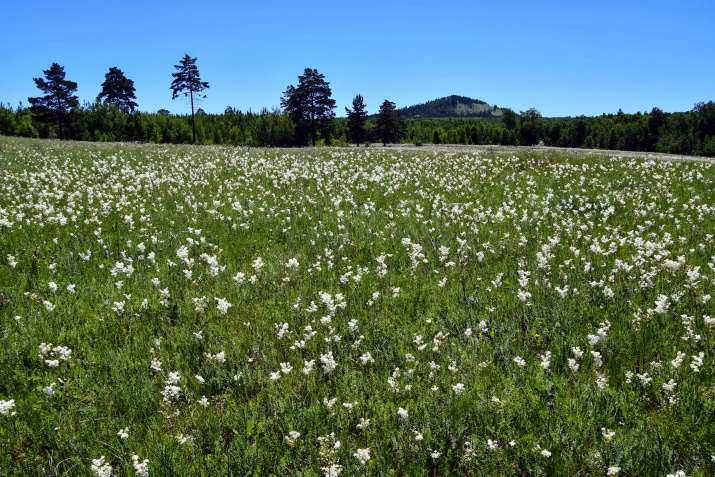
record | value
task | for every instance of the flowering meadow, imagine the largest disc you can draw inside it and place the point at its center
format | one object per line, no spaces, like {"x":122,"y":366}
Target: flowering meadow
{"x":181,"y":310}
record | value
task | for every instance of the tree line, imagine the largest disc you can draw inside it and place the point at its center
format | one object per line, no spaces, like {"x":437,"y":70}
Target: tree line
{"x":308,"y":117}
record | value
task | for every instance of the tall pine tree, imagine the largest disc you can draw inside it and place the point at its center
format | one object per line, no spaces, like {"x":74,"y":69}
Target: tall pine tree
{"x":390,"y":123}
{"x":58,"y":101}
{"x":356,"y":120}
{"x":309,"y":105}
{"x":118,"y":90}
{"x":187,"y":82}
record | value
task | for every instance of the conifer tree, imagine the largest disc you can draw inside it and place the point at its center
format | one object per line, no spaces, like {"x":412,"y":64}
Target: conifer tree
{"x":118,"y":90}
{"x":309,"y":104}
{"x":187,"y":82}
{"x":389,"y":123}
{"x":356,"y":120}
{"x":58,"y":101}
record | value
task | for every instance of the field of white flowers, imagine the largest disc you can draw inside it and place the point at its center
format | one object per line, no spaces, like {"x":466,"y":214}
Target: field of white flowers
{"x":180,"y":310}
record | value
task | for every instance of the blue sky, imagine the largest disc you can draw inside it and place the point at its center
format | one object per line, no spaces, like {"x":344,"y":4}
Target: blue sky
{"x":564,"y":58}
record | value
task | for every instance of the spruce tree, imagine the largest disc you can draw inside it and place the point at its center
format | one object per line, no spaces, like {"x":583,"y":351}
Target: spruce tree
{"x":58,"y":101}
{"x":356,"y":120}
{"x":187,"y":82}
{"x":118,"y":90}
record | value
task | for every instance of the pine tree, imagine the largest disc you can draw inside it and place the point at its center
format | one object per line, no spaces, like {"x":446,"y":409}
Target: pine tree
{"x":118,"y":90}
{"x":309,"y":105}
{"x":58,"y":101}
{"x":187,"y":81}
{"x":356,"y":120}
{"x":389,"y":123}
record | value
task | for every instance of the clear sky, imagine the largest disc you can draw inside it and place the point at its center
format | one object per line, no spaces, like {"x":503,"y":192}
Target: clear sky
{"x":564,"y":58}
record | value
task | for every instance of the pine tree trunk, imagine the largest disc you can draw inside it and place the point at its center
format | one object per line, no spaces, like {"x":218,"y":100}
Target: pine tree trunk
{"x":193,"y":121}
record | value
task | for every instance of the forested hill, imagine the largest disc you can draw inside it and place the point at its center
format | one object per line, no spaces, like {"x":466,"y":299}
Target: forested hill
{"x":452,"y":107}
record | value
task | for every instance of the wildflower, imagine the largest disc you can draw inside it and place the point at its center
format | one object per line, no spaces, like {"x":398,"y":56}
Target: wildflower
{"x":435,"y":454}
{"x":101,"y":468}
{"x":363,"y":455}
{"x":367,"y":358}
{"x":292,"y":437}
{"x":223,"y":305}
{"x":200,"y":379}
{"x":49,"y":390}
{"x":458,"y":388}
{"x":286,"y":368}
{"x":203,"y":401}
{"x":275,"y":376}
{"x":123,"y":433}
{"x":6,"y":406}
{"x":492,"y":445}
{"x":519,"y":361}
{"x":48,"y":306}
{"x":608,"y":434}
{"x":328,"y":361}
{"x":546,"y":453}
{"x":613,"y":470}
{"x":363,"y":424}
{"x":141,"y":468}
{"x":308,"y":367}
{"x":402,"y":413}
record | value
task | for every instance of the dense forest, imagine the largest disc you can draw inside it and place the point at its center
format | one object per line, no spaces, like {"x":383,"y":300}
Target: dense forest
{"x":691,"y":132}
{"x":451,"y":107}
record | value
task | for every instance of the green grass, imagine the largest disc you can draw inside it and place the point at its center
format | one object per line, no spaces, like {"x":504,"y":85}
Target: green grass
{"x":621,"y":231}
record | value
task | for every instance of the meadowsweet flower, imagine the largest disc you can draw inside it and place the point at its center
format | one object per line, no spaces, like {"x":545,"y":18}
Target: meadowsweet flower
{"x":6,"y":406}
{"x":203,"y":401}
{"x":519,"y":361}
{"x":329,"y":363}
{"x":223,"y":305}
{"x":292,"y":437}
{"x":458,"y":388}
{"x":275,"y":376}
{"x":52,"y":286}
{"x":546,"y":453}
{"x":101,"y":468}
{"x":602,"y":381}
{"x":286,"y":368}
{"x":141,"y":468}
{"x":49,"y":390}
{"x":435,"y":454}
{"x":363,"y":424}
{"x":367,"y":358}
{"x":200,"y":379}
{"x":613,"y":470}
{"x":362,"y":455}
{"x":48,"y":306}
{"x":308,"y":366}
{"x":123,"y":433}
{"x":402,"y":413}
{"x":608,"y":434}
{"x":491,"y":445}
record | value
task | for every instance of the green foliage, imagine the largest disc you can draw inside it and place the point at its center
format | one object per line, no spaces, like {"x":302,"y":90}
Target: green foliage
{"x":310,"y":106}
{"x":390,"y":123}
{"x":451,"y":107}
{"x":453,"y":231}
{"x":186,"y":83}
{"x":59,"y":101}
{"x":357,"y":117}
{"x":118,"y":90}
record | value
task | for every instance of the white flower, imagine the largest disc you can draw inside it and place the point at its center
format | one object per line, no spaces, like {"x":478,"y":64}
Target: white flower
{"x":200,"y":379}
{"x":367,"y":358}
{"x":363,"y":455}
{"x":141,"y":468}
{"x":49,"y":390}
{"x":286,"y":368}
{"x":203,"y":401}
{"x":223,"y":305}
{"x":492,"y":445}
{"x":458,"y":388}
{"x":329,"y":363}
{"x":123,"y":433}
{"x":546,"y":453}
{"x":292,"y":437}
{"x":608,"y":434}
{"x":48,"y":306}
{"x":6,"y":406}
{"x":436,"y":454}
{"x":198,"y":335}
{"x":293,"y":264}
{"x":402,"y":413}
{"x":364,"y":423}
{"x":519,"y":361}
{"x":613,"y":470}
{"x":101,"y":468}
{"x":308,"y":367}
{"x":275,"y":376}
{"x":679,"y":473}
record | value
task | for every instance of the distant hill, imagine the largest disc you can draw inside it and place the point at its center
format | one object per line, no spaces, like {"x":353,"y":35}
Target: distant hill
{"x":452,"y":107}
